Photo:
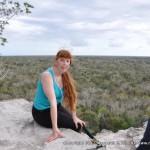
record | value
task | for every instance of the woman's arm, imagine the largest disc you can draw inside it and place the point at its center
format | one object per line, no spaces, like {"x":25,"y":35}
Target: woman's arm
{"x":74,"y":114}
{"x":47,"y":83}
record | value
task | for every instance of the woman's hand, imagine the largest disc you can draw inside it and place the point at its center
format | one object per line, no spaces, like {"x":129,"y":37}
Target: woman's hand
{"x":78,"y":121}
{"x":56,"y":134}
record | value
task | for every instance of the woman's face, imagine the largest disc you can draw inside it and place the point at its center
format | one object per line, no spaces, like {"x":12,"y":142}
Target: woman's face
{"x":63,"y":64}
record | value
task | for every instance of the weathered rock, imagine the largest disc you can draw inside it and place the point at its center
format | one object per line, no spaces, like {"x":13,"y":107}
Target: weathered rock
{"x":20,"y":132}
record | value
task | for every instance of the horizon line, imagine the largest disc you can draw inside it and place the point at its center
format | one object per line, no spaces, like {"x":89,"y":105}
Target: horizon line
{"x":73,"y":55}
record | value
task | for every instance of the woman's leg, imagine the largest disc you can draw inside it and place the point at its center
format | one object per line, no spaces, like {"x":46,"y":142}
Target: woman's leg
{"x":145,"y":142}
{"x":42,"y":117}
{"x":69,"y":122}
{"x":65,"y":119}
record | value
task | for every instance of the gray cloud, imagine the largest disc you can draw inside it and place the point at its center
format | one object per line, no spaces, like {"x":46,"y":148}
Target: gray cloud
{"x":114,"y":23}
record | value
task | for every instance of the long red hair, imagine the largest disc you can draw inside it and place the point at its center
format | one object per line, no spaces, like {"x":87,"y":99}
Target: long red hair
{"x":70,"y":93}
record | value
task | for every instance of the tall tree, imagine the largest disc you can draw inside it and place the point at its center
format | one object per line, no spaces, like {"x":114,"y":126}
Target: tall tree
{"x":9,"y":9}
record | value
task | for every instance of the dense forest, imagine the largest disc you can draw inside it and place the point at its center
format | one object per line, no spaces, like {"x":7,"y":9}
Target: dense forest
{"x":113,"y":92}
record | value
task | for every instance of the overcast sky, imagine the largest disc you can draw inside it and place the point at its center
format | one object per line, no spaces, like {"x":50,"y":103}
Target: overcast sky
{"x":85,"y":27}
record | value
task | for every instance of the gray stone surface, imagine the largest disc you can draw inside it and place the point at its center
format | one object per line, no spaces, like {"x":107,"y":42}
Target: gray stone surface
{"x":19,"y":132}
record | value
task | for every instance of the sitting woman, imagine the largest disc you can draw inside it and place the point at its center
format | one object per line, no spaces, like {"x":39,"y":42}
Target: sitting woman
{"x":54,"y":87}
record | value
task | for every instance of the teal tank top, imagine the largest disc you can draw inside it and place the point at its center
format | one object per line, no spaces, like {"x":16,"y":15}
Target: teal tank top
{"x":41,"y":101}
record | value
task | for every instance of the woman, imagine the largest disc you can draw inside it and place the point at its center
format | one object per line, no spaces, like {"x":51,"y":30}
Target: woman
{"x":54,"y":86}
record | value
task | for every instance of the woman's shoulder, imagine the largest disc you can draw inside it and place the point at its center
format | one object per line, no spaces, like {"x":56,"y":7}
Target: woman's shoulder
{"x":48,"y":70}
{"x":45,"y":71}
{"x":47,"y":74}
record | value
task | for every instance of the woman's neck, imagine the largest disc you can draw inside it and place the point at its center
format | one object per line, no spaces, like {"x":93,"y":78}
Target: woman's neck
{"x":56,"y":71}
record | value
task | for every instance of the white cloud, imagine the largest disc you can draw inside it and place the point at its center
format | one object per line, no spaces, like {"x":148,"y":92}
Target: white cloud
{"x":138,"y":26}
{"x":141,"y":2}
{"x":20,"y":28}
{"x":42,"y":20}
